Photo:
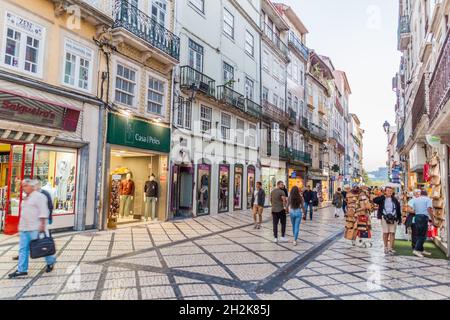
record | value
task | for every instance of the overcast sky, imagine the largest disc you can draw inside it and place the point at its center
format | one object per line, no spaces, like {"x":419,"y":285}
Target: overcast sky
{"x":360,"y":36}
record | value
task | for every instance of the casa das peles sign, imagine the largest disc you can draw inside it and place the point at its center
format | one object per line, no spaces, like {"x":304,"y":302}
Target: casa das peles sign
{"x":18,"y":108}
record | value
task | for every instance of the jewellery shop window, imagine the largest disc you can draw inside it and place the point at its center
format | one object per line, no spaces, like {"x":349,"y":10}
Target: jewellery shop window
{"x":56,"y":170}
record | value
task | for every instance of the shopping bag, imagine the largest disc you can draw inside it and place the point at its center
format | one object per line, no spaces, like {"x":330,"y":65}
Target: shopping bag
{"x":42,"y":247}
{"x":432,"y":231}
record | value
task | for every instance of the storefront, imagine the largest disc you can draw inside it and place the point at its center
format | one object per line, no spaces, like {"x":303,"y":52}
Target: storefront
{"x":251,"y":185}
{"x":137,"y":170}
{"x":238,"y":187}
{"x":224,"y":188}
{"x":296,"y":178}
{"x":47,"y":141}
{"x":270,"y":177}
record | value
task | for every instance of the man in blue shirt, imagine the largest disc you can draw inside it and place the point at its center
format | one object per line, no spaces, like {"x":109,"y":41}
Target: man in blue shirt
{"x":422,"y":207}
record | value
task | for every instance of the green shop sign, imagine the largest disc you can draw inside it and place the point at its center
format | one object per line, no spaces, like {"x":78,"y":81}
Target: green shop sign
{"x":134,"y":133}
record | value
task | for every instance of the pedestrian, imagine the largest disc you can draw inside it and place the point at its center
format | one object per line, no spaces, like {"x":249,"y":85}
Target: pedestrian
{"x":278,"y":200}
{"x":338,"y":201}
{"x":308,"y":197}
{"x":295,"y":203}
{"x":344,"y":197}
{"x":389,"y":212}
{"x":258,"y":201}
{"x":423,"y":213}
{"x":33,"y":221}
{"x":410,"y":220}
{"x":285,"y":190}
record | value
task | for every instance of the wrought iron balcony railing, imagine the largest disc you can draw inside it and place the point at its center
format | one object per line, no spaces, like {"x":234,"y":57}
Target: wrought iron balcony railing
{"x":440,"y":81}
{"x":419,"y":108}
{"x":317,"y":132}
{"x":129,"y":17}
{"x":298,"y":45}
{"x":229,"y":96}
{"x":300,"y":156}
{"x":195,"y":80}
{"x":268,"y":31}
{"x":304,"y":124}
{"x":253,"y":108}
{"x":272,"y":112}
{"x":401,"y":138}
{"x":404,"y":32}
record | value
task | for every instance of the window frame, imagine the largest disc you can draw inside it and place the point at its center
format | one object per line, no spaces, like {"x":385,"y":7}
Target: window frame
{"x":251,"y":45}
{"x":248,"y":80}
{"x":225,"y":23}
{"x":192,"y":3}
{"x":77,"y":65}
{"x":164,"y":94}
{"x":206,"y":120}
{"x":196,"y":54}
{"x":227,"y":136}
{"x":225,"y":80}
{"x":133,"y":67}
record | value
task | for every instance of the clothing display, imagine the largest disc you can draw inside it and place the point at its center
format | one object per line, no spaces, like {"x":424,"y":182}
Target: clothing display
{"x":358,"y":222}
{"x":150,"y":208}
{"x":151,"y":189}
{"x":126,"y":187}
{"x":126,"y":205}
{"x":437,"y":194}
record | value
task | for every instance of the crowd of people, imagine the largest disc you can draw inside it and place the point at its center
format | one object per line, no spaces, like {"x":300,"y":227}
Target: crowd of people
{"x":300,"y":204}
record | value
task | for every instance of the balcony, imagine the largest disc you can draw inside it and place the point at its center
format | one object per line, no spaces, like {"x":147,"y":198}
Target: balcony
{"x":193,"y":79}
{"x":133,"y":26}
{"x":273,"y":113}
{"x":276,"y":41}
{"x":440,"y":81}
{"x":297,"y":156}
{"x":317,"y":132}
{"x":335,"y":137}
{"x":404,"y":32}
{"x":253,"y":109}
{"x":292,"y":117}
{"x":283,"y":152}
{"x":419,"y":109}
{"x":297,"y":44}
{"x":304,"y":124}
{"x":228,"y":96}
{"x":400,"y":139}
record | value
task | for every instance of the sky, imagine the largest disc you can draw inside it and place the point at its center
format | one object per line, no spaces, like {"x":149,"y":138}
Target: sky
{"x":360,"y":37}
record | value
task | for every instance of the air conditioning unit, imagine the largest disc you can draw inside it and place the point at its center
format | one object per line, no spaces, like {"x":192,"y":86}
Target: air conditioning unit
{"x":203,"y":87}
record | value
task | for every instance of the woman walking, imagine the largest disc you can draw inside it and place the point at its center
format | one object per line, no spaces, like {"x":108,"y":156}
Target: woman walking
{"x":296,"y":210}
{"x":338,"y":203}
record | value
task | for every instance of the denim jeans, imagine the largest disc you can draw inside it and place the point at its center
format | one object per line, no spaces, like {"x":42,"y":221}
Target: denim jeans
{"x":25,"y":238}
{"x":422,"y":231}
{"x":310,"y":207}
{"x":296,"y":219}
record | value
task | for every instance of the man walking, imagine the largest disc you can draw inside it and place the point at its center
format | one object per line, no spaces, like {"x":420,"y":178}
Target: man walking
{"x":279,"y":203}
{"x":308,"y":196}
{"x":389,"y":212}
{"x":258,"y":201}
{"x":338,"y":201}
{"x":423,"y":209}
{"x":33,"y":221}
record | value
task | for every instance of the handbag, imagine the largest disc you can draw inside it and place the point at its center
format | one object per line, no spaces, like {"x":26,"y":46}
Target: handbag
{"x":42,"y":247}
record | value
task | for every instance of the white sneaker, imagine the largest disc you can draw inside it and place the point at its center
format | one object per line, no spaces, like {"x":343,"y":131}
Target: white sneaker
{"x":426,"y":253}
{"x":294,"y":243}
{"x":284,"y":239}
{"x":418,"y":254}
{"x":392,"y":251}
{"x":275,"y":240}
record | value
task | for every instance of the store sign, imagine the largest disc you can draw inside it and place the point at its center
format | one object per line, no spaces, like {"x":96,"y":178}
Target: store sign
{"x":137,"y":134}
{"x":37,"y":112}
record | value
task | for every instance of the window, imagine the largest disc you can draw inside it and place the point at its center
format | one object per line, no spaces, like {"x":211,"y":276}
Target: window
{"x":266,"y":64}
{"x":282,"y":105}
{"x":249,"y":43}
{"x":184,"y":114}
{"x":295,"y":107}
{"x":289,"y":100}
{"x":159,"y":11}
{"x":275,"y":100}
{"x":249,"y":88}
{"x":198,"y":4}
{"x":77,"y":65}
{"x":240,"y":131}
{"x":282,"y":141}
{"x":23,"y":45}
{"x":251,"y":141}
{"x":228,"y":23}
{"x":155,"y":97}
{"x":125,"y":85}
{"x":275,"y":132}
{"x":225,"y":126}
{"x":205,"y":119}
{"x":195,"y":56}
{"x":265,"y":94}
{"x":228,"y":75}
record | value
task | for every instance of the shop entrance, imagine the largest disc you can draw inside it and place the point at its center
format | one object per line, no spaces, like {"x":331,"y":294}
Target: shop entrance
{"x":182,"y":191}
{"x":55,"y":168}
{"x":137,"y":186}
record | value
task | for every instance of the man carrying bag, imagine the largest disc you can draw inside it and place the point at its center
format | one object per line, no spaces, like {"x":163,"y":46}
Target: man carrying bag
{"x":33,"y":222}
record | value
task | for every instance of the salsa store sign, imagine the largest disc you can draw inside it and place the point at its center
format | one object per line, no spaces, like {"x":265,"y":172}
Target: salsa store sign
{"x":37,"y":112}
{"x":138,"y":134}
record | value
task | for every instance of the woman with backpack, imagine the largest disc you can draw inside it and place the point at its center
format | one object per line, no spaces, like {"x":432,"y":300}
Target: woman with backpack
{"x":338,"y":203}
{"x":296,"y":209}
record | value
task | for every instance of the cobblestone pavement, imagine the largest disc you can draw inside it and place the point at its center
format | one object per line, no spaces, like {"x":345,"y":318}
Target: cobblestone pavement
{"x":223,"y":257}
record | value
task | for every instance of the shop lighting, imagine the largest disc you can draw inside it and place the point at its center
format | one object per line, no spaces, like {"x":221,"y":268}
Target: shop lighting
{"x":125,"y":113}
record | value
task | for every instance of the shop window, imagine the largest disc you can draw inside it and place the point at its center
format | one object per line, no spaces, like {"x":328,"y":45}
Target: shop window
{"x":77,"y":65}
{"x":155,"y":97}
{"x":203,"y":189}
{"x":224,"y":187}
{"x":125,"y":85}
{"x":238,"y":186}
{"x":251,"y":185}
{"x":23,"y":45}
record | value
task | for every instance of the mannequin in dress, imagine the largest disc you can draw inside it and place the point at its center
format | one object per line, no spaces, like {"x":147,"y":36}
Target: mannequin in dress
{"x":151,"y":197}
{"x":126,"y":190}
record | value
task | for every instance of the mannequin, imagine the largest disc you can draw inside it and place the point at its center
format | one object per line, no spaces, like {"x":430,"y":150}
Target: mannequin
{"x":151,"y":198}
{"x":126,"y":190}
